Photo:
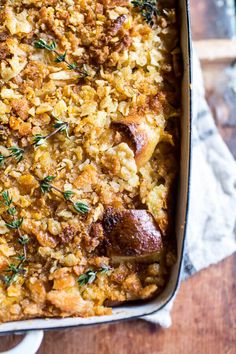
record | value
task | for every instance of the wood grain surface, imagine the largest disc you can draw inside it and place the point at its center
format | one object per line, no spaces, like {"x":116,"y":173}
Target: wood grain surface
{"x":204,"y":313}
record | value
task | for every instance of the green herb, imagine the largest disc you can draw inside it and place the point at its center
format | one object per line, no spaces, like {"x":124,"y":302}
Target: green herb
{"x":90,"y":275}
{"x":15,"y":271}
{"x":104,"y":269}
{"x":23,"y":239}
{"x":38,"y":140}
{"x":11,"y":211}
{"x":46,"y":187}
{"x":7,"y":201}
{"x":67,"y":194}
{"x":148,"y":9}
{"x":60,"y":58}
{"x":81,"y":207}
{"x":72,"y":66}
{"x":2,"y":159}
{"x":6,"y":197}
{"x":42,"y":44}
{"x":15,"y":224}
{"x":21,"y":258}
{"x":87,"y":278}
{"x":60,"y":126}
{"x":16,"y":152}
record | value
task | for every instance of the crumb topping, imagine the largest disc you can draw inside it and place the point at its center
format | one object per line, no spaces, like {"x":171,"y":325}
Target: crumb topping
{"x":89,"y":112}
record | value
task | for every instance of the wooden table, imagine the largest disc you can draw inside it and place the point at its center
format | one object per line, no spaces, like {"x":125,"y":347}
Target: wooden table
{"x":204,"y":313}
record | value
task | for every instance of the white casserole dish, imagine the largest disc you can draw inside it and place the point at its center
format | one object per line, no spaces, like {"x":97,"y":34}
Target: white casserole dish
{"x":146,"y":308}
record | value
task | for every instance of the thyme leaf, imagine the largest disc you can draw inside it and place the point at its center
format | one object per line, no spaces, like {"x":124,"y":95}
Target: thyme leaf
{"x":148,"y":9}
{"x":87,"y":278}
{"x":104,"y":269}
{"x":42,"y":44}
{"x":8,"y":201}
{"x":23,"y":239}
{"x":67,"y":194}
{"x":61,"y":126}
{"x":16,"y":152}
{"x":46,"y":187}
{"x":11,"y":211}
{"x":21,"y":258}
{"x":6,"y":197}
{"x":60,"y":58}
{"x":2,"y":159}
{"x":72,"y":66}
{"x":15,"y":270}
{"x":81,"y":207}
{"x":38,"y":140}
{"x":90,"y":275}
{"x":15,"y":224}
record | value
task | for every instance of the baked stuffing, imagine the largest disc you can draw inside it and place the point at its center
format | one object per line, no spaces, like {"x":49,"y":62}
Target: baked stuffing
{"x":89,"y":112}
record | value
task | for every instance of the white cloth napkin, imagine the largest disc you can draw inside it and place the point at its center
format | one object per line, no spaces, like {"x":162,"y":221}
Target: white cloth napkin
{"x":211,"y":230}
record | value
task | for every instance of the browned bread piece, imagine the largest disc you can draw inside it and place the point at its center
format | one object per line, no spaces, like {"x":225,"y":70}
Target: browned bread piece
{"x":139,"y":136}
{"x":133,"y":235}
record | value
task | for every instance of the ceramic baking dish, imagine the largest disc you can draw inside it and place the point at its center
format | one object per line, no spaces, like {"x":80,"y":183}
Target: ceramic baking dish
{"x":150,"y":307}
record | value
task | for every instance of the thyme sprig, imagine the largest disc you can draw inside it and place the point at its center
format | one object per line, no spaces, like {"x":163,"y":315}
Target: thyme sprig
{"x":14,"y":272}
{"x":46,"y":187}
{"x":59,"y":126}
{"x":18,"y":153}
{"x":60,"y":57}
{"x":90,"y":275}
{"x":15,"y":224}
{"x":148,"y":9}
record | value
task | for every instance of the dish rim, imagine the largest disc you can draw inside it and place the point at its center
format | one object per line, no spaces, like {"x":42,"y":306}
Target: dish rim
{"x":170,"y":297}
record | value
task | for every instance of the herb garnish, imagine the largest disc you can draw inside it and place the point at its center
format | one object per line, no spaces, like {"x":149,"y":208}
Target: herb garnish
{"x":15,"y":224}
{"x":38,"y":140}
{"x":46,"y":186}
{"x":148,"y":9}
{"x":42,"y":44}
{"x":90,"y":275}
{"x":59,"y":126}
{"x":16,"y":153}
{"x":15,"y":271}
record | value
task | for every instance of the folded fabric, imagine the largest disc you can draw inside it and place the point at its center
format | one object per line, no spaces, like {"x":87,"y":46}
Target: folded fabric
{"x":211,"y":228}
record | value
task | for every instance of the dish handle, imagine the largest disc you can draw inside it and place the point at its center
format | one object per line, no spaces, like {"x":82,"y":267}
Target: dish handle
{"x":29,"y":345}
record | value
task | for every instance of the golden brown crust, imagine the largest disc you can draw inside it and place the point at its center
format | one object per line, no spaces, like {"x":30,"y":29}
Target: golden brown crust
{"x":140,"y":136}
{"x":132,"y":233}
{"x":119,"y":153}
